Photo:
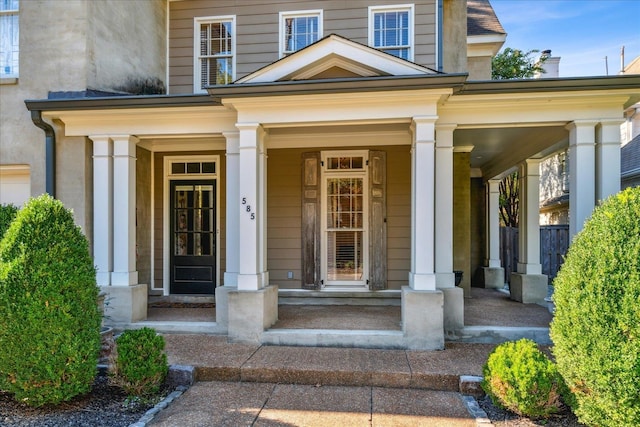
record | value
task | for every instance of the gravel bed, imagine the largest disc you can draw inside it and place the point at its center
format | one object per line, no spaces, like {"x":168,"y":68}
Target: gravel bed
{"x":503,"y":418}
{"x":105,"y":406}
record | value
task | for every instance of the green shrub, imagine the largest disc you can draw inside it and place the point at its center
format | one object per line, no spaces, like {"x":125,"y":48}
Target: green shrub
{"x":520,"y":378}
{"x":7,"y":214}
{"x":140,"y":365}
{"x":596,"y":328}
{"x":50,"y":323}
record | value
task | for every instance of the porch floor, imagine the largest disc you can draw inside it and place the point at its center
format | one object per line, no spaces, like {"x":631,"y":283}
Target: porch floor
{"x":485,"y":307}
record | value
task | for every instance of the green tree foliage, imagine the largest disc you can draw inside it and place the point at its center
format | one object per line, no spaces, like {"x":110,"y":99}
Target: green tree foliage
{"x":140,"y":366}
{"x":519,"y":377}
{"x":515,"y":64}
{"x":596,"y":328}
{"x":50,"y":328}
{"x":7,"y":214}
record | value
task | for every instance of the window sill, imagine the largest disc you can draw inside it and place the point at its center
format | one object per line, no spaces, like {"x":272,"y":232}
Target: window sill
{"x":8,"y":80}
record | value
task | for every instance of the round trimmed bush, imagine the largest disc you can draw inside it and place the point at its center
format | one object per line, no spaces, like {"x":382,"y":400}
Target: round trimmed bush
{"x":520,"y":378}
{"x":596,"y":328}
{"x":140,"y":365}
{"x":50,"y":323}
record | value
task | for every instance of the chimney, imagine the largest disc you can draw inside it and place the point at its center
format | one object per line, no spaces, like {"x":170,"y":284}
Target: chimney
{"x":551,"y":66}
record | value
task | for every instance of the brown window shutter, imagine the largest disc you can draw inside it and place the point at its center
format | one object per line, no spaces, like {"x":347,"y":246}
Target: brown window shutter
{"x":377,"y":220}
{"x":311,"y":220}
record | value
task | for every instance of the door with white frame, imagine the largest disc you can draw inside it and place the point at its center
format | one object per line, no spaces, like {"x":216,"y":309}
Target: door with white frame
{"x":344,"y":224}
{"x":192,"y":225}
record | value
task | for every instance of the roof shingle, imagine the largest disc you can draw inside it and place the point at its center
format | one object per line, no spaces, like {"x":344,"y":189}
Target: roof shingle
{"x":482,"y":19}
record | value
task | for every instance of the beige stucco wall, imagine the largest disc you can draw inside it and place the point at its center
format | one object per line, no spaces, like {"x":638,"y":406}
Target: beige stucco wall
{"x":135,"y":27}
{"x":454,"y":36}
{"x":462,"y":219}
{"x":71,"y":45}
{"x":479,"y":68}
{"x":74,"y":187}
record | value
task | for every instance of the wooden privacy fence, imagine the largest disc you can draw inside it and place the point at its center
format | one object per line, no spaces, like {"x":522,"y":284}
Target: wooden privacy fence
{"x":554,"y":243}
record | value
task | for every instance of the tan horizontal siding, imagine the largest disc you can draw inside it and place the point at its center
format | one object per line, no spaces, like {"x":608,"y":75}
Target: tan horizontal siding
{"x":284,"y":215}
{"x":257,"y":30}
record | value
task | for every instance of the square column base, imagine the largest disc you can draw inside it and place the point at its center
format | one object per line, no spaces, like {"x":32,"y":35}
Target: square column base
{"x":493,"y":277}
{"x":125,"y":304}
{"x":529,"y":288}
{"x":453,"y":310}
{"x":222,"y":306}
{"x":250,"y":313}
{"x":423,"y":319}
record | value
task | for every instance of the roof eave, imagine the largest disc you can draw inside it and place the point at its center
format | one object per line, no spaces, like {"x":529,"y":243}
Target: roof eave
{"x":346,"y":85}
{"x":121,"y":102}
{"x":553,"y":85}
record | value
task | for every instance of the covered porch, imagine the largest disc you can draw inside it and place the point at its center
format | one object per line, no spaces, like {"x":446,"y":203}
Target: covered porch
{"x":287,"y":181}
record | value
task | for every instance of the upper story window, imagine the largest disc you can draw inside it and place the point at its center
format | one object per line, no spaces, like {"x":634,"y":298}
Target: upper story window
{"x":299,"y":30}
{"x":391,"y":29}
{"x":214,"y":52}
{"x":9,"y":35}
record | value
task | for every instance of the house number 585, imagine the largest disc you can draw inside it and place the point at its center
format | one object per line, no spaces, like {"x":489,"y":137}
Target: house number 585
{"x":247,"y":208}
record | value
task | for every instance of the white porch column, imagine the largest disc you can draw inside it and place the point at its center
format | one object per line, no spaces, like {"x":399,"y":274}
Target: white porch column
{"x":493,"y":272}
{"x":581,"y":173}
{"x":124,"y":211}
{"x":262,"y":203}
{"x":251,"y":187}
{"x":493,"y":223}
{"x":444,"y":206}
{"x":607,"y":158}
{"x":423,"y":306}
{"x":253,"y":305}
{"x":529,"y":218}
{"x":529,"y":285}
{"x":232,"y":227}
{"x":232,"y":230}
{"x":103,"y":208}
{"x":422,"y":275}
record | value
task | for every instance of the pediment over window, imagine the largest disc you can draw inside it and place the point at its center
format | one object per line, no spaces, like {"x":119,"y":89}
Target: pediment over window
{"x":335,"y":57}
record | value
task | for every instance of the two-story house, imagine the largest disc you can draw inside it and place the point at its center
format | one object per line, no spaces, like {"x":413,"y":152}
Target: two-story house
{"x":324,"y":148}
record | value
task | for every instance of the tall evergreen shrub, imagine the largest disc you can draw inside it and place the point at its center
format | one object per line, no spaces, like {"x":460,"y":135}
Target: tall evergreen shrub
{"x":50,"y":323}
{"x":7,"y":214}
{"x":596,"y":328}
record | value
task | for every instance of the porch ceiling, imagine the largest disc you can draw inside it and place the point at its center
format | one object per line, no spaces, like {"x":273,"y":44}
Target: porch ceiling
{"x":497,"y":149}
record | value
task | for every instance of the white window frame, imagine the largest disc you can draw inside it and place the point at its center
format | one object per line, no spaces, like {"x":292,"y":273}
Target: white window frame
{"x":373,"y":10}
{"x":197,"y":21}
{"x":15,"y":70}
{"x":325,"y":174}
{"x":297,"y":14}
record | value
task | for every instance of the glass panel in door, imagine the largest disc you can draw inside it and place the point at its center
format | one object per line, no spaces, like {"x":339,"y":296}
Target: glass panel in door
{"x":345,"y":230}
{"x":193,"y":228}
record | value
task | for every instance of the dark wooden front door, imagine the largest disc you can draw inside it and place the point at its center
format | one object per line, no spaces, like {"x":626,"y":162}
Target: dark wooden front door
{"x":193,"y":237}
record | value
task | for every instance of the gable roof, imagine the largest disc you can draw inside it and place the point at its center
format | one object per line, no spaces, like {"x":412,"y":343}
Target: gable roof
{"x":482,"y":19}
{"x":335,"y":56}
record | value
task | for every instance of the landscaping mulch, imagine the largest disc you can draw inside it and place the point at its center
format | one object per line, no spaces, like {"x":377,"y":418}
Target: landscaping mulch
{"x":503,"y":418}
{"x":105,"y":405}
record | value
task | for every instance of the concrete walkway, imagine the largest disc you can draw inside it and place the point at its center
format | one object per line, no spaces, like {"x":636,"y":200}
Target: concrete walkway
{"x":240,"y":384}
{"x":268,"y":404}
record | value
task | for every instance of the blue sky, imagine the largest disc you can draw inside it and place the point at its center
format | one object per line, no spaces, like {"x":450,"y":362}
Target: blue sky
{"x":581,"y":32}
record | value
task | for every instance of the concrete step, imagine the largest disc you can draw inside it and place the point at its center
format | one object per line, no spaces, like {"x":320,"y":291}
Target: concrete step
{"x":456,"y":368}
{"x":306,"y":297}
{"x":334,"y":338}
